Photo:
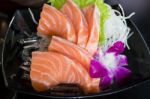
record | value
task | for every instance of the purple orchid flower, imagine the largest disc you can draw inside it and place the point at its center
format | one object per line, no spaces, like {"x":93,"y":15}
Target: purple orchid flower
{"x":118,"y":47}
{"x":110,"y":66}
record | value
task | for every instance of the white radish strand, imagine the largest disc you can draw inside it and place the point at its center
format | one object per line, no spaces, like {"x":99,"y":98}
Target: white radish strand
{"x":116,"y":28}
{"x":32,"y":16}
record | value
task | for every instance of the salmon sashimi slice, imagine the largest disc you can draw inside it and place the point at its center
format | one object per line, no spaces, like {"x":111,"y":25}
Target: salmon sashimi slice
{"x":79,"y":22}
{"x":71,"y":50}
{"x":93,"y":18}
{"x":54,"y":22}
{"x":49,"y":69}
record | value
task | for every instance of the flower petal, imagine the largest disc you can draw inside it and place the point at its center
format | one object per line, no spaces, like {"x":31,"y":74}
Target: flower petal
{"x":121,"y":60}
{"x":97,"y":69}
{"x":106,"y":82}
{"x":122,"y":75}
{"x":118,"y":47}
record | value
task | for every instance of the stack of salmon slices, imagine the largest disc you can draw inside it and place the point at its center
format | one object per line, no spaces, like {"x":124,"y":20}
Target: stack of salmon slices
{"x":75,"y":37}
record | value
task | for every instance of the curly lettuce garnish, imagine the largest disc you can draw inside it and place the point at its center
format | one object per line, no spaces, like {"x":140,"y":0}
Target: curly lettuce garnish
{"x":81,"y":3}
{"x":57,"y":3}
{"x":104,"y":15}
{"x":84,"y":3}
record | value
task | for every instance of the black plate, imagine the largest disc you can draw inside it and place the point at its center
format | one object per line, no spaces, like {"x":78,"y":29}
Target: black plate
{"x":138,"y":56}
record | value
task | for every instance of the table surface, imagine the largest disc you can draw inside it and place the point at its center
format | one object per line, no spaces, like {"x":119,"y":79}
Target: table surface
{"x":142,"y":20}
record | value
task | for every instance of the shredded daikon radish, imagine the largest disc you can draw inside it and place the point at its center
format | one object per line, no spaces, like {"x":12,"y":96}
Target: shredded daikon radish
{"x":116,"y":28}
{"x":32,"y":16}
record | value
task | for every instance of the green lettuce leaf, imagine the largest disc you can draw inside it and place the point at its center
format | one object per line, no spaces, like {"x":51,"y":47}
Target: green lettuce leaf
{"x":104,"y":15}
{"x":81,"y":3}
{"x":84,"y":3}
{"x":57,"y":3}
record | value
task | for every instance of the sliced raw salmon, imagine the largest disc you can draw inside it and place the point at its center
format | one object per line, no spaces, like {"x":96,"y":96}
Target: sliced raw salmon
{"x":93,"y":18}
{"x":79,"y":22}
{"x":54,"y":22}
{"x":49,"y":69}
{"x":71,"y":50}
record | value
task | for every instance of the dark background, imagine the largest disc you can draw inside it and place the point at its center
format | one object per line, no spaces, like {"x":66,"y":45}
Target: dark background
{"x":141,"y":19}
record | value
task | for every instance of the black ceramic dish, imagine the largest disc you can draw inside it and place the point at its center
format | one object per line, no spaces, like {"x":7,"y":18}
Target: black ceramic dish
{"x":138,"y":57}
